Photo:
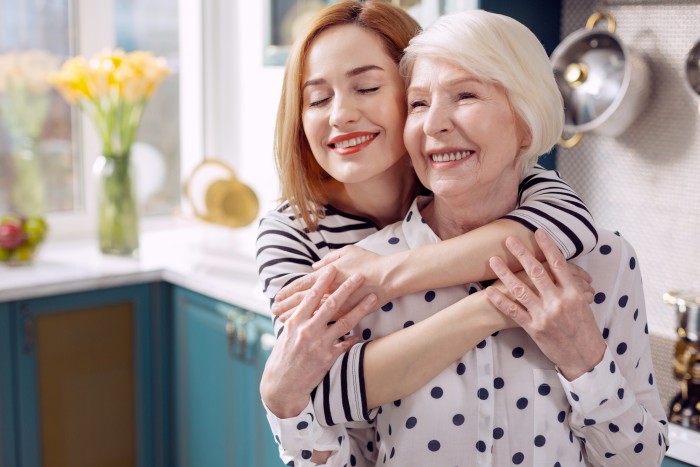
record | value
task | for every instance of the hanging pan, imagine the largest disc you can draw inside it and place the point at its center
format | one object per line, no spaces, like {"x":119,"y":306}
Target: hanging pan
{"x":604,"y":83}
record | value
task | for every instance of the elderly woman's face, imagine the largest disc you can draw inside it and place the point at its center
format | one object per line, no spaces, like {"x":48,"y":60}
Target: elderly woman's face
{"x":354,"y":105}
{"x":461,"y":133}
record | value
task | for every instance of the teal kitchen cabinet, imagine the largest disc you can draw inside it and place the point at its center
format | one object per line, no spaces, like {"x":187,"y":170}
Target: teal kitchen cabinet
{"x":670,"y":462}
{"x":80,"y":379}
{"x":220,"y":352}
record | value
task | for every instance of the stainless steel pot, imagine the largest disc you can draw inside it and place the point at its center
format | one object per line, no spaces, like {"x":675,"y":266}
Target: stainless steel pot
{"x":692,"y":72}
{"x":605,"y":84}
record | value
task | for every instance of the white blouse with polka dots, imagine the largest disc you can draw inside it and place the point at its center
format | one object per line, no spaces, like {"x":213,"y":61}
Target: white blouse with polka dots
{"x":286,"y":250}
{"x":504,"y":403}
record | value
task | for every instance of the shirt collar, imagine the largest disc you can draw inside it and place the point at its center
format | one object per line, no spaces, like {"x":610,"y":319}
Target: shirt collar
{"x":416,"y":231}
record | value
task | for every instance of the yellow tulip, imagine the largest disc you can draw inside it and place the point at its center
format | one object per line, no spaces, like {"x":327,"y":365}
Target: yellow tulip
{"x":112,"y":88}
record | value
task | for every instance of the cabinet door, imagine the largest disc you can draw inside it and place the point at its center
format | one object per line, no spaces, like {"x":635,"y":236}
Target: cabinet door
{"x":8,"y":456}
{"x":83,"y":382}
{"x":219,"y":359}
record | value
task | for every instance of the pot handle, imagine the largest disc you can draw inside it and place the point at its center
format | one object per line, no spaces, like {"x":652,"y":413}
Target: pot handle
{"x":599,"y":15}
{"x":569,"y":143}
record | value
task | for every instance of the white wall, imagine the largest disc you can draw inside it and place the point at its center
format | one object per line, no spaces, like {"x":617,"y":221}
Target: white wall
{"x":258,"y":91}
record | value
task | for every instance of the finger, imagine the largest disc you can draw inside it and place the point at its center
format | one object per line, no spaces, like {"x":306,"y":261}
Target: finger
{"x":557,"y":262}
{"x":348,"y":321}
{"x":515,"y":286}
{"x":313,"y":297}
{"x":587,"y":290}
{"x":328,"y":259}
{"x":333,"y":303}
{"x":577,"y":271}
{"x":288,"y":304}
{"x":303,"y":283}
{"x":284,"y":317}
{"x":345,"y":345}
{"x":508,"y":307}
{"x":532,"y":267}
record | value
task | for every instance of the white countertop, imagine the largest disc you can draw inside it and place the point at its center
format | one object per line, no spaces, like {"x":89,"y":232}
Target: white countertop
{"x":685,"y":444}
{"x":216,"y":261}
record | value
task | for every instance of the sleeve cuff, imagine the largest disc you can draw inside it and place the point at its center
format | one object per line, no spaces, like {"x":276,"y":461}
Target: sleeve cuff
{"x":601,"y":390}
{"x":302,"y":432}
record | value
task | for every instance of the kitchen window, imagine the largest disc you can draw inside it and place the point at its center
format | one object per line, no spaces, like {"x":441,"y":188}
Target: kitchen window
{"x":47,"y":147}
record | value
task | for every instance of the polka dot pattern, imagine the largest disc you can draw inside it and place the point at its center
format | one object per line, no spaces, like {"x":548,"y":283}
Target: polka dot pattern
{"x":508,"y":382}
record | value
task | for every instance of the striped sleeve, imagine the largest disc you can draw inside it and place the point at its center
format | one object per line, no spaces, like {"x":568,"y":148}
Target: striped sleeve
{"x":284,"y":253}
{"x":286,"y":248}
{"x":341,"y":398}
{"x":545,"y":201}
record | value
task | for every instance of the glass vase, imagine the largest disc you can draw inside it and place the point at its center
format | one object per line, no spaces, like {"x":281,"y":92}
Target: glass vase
{"x":117,"y":206}
{"x":28,"y":189}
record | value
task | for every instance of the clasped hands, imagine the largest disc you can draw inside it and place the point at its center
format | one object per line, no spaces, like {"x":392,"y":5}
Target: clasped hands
{"x":550,"y":301}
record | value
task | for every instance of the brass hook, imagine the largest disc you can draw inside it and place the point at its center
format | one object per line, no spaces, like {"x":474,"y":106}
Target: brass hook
{"x":599,"y":15}
{"x":569,"y":143}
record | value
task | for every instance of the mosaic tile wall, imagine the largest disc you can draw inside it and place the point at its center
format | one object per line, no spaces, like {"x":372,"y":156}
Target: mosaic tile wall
{"x":646,"y":182}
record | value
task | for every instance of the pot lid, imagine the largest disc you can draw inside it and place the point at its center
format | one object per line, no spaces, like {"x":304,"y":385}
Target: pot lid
{"x":589,"y":67}
{"x":692,"y":69}
{"x":217,"y":196}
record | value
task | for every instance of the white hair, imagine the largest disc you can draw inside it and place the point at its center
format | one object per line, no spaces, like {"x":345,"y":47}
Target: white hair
{"x":497,"y":48}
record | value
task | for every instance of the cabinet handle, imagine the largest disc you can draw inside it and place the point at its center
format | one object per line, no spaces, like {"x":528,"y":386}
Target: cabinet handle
{"x":231,"y":335}
{"x":243,"y":335}
{"x":243,"y":339}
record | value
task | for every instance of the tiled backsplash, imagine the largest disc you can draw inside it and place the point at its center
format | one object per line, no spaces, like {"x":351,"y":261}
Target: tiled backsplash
{"x":646,"y":182}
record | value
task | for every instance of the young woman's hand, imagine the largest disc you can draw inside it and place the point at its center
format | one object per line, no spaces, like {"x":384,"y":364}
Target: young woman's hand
{"x":347,"y":261}
{"x":556,"y":315}
{"x":308,"y":345}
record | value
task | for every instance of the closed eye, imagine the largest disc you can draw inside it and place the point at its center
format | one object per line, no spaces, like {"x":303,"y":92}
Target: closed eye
{"x":466,"y":95}
{"x":416,"y":104}
{"x":319,"y":102}
{"x":368,"y":90}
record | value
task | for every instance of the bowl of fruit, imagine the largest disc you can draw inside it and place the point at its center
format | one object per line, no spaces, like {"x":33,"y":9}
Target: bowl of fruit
{"x":19,"y":237}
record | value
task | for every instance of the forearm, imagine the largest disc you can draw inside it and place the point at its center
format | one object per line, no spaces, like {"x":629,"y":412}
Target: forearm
{"x":399,"y":364}
{"x":459,"y":260}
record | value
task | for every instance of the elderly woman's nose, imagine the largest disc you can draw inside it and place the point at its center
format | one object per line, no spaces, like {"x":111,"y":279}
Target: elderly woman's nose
{"x":437,"y":121}
{"x":343,"y":111}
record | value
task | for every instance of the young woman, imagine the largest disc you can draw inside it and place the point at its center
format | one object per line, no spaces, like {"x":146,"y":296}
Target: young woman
{"x":345,"y":174}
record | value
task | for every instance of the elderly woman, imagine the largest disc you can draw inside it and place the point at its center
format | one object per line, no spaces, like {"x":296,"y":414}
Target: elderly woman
{"x":345,"y":173}
{"x":573,"y":386}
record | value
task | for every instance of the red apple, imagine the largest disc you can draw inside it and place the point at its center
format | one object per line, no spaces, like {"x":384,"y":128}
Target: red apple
{"x":11,"y":235}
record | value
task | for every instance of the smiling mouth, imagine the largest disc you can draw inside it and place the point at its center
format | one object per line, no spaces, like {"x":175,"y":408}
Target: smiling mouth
{"x":450,"y":156}
{"x":348,"y":143}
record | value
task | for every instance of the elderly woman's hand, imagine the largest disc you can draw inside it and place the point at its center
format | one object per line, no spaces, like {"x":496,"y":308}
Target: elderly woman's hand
{"x":308,"y":345}
{"x":557,"y":316}
{"x":347,"y":261}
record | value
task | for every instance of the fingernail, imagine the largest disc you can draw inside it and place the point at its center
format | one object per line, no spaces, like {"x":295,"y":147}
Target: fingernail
{"x":371,"y":299}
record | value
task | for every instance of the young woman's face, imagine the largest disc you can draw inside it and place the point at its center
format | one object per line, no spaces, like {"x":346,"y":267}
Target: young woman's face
{"x":461,"y":133}
{"x":354,"y":104}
